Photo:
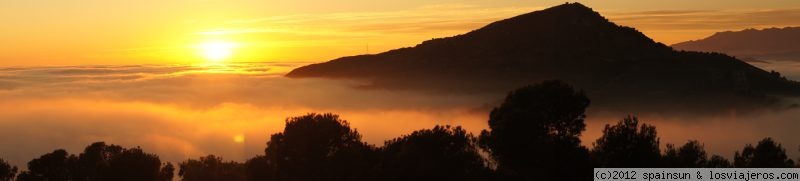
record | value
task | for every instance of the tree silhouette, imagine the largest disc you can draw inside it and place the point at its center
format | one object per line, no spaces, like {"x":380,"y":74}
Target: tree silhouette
{"x":767,"y":154}
{"x":94,"y":160}
{"x":717,"y":161}
{"x":167,"y":172}
{"x":628,"y":145}
{"x":98,"y":162}
{"x":441,"y":153}
{"x":690,"y":155}
{"x":260,"y":168}
{"x":7,"y":172}
{"x":133,"y":165}
{"x":53,"y":166}
{"x":534,"y":134}
{"x":211,"y":168}
{"x":320,"y":147}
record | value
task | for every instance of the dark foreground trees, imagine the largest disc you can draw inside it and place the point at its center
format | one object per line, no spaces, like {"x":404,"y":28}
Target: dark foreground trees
{"x":690,"y":155}
{"x":627,"y":145}
{"x":441,"y":153}
{"x":324,"y":147}
{"x":533,"y":135}
{"x":767,"y":154}
{"x":315,"y":147}
{"x":259,"y":168}
{"x":53,"y":166}
{"x":211,"y":168}
{"x":7,"y":172}
{"x":98,"y":162}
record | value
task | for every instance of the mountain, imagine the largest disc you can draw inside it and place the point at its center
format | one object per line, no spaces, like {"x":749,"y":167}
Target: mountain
{"x":765,"y":44}
{"x":615,"y":65}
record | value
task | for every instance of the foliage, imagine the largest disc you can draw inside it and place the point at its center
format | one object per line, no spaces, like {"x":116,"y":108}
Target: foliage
{"x":320,"y":147}
{"x":535,"y":132}
{"x":98,"y":162}
{"x":627,"y":145}
{"x":441,"y":153}
{"x":7,"y":172}
{"x":259,"y":168}
{"x":767,"y":154}
{"x":211,"y":168}
{"x":717,"y":161}
{"x":690,"y":155}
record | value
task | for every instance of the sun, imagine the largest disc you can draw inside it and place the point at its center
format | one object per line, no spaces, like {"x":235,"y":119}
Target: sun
{"x":238,"y":138}
{"x":216,"y":51}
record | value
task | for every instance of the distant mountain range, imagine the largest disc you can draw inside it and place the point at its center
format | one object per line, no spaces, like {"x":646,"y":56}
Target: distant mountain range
{"x":781,"y":44}
{"x":617,"y":66}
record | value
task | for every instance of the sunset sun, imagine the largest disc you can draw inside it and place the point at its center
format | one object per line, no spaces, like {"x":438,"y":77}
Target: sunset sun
{"x":216,"y":51}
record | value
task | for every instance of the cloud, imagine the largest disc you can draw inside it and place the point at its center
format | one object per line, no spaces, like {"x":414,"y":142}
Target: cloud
{"x":37,"y":126}
{"x":788,"y":69}
{"x":257,"y":84}
{"x":184,"y":111}
{"x":180,"y":111}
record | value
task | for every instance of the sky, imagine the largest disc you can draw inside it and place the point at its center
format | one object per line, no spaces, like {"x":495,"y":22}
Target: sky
{"x":129,"y":32}
{"x":159,"y":74}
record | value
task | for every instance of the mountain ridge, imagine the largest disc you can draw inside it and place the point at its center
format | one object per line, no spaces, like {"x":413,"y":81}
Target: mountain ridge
{"x":781,"y":44}
{"x":570,"y":42}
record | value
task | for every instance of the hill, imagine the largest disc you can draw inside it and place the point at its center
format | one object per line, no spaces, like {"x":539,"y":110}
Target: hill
{"x":766,"y":44}
{"x":617,"y":66}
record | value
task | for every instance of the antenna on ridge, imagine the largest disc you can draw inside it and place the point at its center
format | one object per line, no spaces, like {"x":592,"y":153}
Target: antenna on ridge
{"x":367,"y":49}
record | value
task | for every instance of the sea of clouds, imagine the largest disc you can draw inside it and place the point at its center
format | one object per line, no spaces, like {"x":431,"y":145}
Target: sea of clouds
{"x":187,"y":111}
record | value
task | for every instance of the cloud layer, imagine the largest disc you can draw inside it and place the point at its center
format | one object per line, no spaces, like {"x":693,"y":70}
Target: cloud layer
{"x":185,"y":111}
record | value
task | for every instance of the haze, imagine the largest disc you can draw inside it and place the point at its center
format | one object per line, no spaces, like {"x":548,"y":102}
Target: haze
{"x":182,"y":112}
{"x":187,"y":78}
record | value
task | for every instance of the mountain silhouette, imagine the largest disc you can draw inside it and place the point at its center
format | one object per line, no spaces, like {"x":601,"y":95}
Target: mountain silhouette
{"x":615,"y":65}
{"x":781,"y":44}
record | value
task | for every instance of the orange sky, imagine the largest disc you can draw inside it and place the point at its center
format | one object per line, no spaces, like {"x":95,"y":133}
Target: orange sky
{"x":55,"y":32}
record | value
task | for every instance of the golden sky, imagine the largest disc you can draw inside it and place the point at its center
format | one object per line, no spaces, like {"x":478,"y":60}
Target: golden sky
{"x":88,"y":32}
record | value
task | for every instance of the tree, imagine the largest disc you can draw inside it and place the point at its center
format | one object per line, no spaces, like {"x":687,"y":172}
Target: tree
{"x":320,"y":147}
{"x":690,"y":155}
{"x":441,"y":153}
{"x":767,"y":154}
{"x":259,"y":168}
{"x":211,"y":168}
{"x":133,"y":165}
{"x":627,"y":145}
{"x":717,"y":161}
{"x":7,"y":172}
{"x":94,"y":160}
{"x":53,"y":166}
{"x":167,"y":172}
{"x":534,"y":133}
{"x":98,"y":162}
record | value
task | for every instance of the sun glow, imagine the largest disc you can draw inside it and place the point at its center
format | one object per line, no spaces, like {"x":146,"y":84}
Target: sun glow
{"x":216,"y":51}
{"x":238,"y":138}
